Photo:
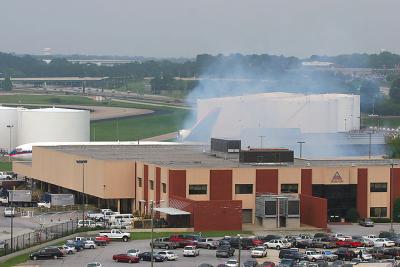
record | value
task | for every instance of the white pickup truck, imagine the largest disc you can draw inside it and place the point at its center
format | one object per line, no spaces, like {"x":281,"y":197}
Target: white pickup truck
{"x":5,"y":175}
{"x":116,"y":234}
{"x":103,"y":215}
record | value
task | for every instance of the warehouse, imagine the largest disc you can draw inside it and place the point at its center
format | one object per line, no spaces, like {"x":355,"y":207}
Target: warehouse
{"x":215,"y":186}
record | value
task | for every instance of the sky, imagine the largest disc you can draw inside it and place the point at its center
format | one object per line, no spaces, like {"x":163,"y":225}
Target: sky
{"x":185,"y":28}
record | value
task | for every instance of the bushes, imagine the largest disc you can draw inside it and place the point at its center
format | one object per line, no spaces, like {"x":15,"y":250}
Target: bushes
{"x":380,"y":220}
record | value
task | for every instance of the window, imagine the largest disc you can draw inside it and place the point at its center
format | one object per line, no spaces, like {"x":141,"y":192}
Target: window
{"x":289,"y":188}
{"x":164,"y":187}
{"x":243,"y":189}
{"x":378,"y":212}
{"x":198,"y":189}
{"x":378,"y":187}
{"x":139,"y":181}
{"x":151,"y":185}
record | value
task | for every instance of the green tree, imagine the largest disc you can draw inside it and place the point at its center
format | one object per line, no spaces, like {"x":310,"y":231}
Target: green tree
{"x":395,"y":90}
{"x":7,"y":84}
{"x":396,"y":210}
{"x":394,"y":146}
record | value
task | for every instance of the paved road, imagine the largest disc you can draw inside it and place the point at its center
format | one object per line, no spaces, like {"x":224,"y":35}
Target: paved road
{"x":104,"y":255}
{"x":355,"y":229}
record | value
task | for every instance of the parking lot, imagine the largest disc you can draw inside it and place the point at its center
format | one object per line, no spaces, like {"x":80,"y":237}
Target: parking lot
{"x":104,"y":256}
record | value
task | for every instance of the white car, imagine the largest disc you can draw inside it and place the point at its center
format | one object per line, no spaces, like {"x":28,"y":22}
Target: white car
{"x":89,"y":244}
{"x":312,"y":255}
{"x":9,"y":212}
{"x":232,"y":263}
{"x":67,"y":249}
{"x":383,"y":242}
{"x":171,"y":256}
{"x":278,"y":244}
{"x":341,"y":237}
{"x":259,"y":252}
{"x":133,"y":252}
{"x":191,"y":251}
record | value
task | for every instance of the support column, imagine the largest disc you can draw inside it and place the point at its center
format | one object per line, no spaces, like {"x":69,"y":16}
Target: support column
{"x":119,"y":205}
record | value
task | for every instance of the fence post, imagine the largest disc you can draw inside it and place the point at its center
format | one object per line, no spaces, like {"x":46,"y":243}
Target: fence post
{"x":23,"y":241}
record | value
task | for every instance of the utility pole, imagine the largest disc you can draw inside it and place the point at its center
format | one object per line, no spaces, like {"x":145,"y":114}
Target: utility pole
{"x":83,"y":162}
{"x":12,"y":218}
{"x":240,"y":247}
{"x":10,"y":126}
{"x":301,"y":147}
{"x":261,"y":140}
{"x":152,"y":230}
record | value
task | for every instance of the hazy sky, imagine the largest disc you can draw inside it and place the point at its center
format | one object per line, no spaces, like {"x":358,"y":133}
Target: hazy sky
{"x":175,"y":28}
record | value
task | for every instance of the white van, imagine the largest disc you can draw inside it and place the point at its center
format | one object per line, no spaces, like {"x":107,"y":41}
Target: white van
{"x":88,"y":223}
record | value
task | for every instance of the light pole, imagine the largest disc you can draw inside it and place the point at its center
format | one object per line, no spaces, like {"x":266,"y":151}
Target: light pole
{"x":12,"y":218}
{"x":83,"y":162}
{"x":10,"y":126}
{"x":151,"y":203}
{"x":391,"y":202}
{"x":301,"y":146}
{"x":240,"y":247}
{"x":369,"y":147}
{"x":261,"y":140}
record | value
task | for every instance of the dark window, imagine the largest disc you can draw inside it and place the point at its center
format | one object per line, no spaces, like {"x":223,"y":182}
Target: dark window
{"x":378,"y":187}
{"x":198,"y":189}
{"x":164,"y":187}
{"x":293,"y":207}
{"x":289,"y":188}
{"x":243,"y":189}
{"x":270,"y":208}
{"x":139,"y":181}
{"x":151,"y":185}
{"x":378,"y":212}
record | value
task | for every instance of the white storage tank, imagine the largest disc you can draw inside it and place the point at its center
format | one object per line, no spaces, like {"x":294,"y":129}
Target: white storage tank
{"x":53,"y":125}
{"x":8,"y":116}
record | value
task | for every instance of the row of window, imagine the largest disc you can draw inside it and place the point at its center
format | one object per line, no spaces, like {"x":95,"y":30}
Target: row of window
{"x":201,"y":189}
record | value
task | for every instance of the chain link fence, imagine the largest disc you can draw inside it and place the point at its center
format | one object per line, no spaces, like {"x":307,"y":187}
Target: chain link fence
{"x":37,"y":237}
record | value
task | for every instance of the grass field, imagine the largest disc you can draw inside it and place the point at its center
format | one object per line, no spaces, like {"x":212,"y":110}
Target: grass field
{"x":166,"y":120}
{"x":5,"y":166}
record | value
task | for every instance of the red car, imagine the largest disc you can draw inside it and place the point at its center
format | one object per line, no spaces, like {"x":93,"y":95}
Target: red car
{"x":125,"y":258}
{"x":103,"y":238}
{"x":183,"y":241}
{"x":348,"y":243}
{"x":257,"y":242}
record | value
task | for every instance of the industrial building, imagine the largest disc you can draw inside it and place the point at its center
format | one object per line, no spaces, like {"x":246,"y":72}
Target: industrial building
{"x":218,"y":188}
{"x":20,"y":126}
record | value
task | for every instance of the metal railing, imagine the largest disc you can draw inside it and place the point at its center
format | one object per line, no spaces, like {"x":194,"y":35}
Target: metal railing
{"x":37,"y":237}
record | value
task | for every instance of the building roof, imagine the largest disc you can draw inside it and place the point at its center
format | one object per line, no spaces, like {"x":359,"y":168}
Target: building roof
{"x":196,"y":156}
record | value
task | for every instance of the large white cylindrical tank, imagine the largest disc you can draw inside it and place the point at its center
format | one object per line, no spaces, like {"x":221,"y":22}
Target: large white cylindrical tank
{"x":8,"y":117}
{"x":53,"y":125}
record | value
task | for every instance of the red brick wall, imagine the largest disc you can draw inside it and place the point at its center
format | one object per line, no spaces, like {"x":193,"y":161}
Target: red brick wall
{"x":313,"y":211}
{"x":177,"y":183}
{"x":394,"y":187}
{"x":218,"y":215}
{"x":267,"y":181}
{"x":146,"y":185}
{"x":220,"y":184}
{"x":362,"y":192}
{"x":306,"y":182}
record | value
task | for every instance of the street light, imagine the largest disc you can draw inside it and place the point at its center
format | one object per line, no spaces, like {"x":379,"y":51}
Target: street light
{"x":240,"y":246}
{"x":301,"y":146}
{"x":10,"y":126}
{"x":391,"y":202}
{"x":83,"y":162}
{"x":151,"y":202}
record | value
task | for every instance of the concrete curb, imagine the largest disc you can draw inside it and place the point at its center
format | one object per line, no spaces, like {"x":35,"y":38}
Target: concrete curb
{"x":50,"y":243}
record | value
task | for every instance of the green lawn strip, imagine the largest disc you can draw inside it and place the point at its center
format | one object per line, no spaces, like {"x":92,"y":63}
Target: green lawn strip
{"x":147,"y":235}
{"x":5,"y":166}
{"x":15,"y":260}
{"x":137,"y":128}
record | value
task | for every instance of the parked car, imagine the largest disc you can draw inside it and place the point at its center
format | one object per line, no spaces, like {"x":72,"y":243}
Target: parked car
{"x":266,"y":264}
{"x":164,"y":243}
{"x":321,"y":235}
{"x":348,"y":243}
{"x":125,"y":258}
{"x":171,"y":256}
{"x":366,"y":222}
{"x":383,"y":242}
{"x":312,"y":255}
{"x":9,"y":212}
{"x":292,"y":254}
{"x":191,"y":251}
{"x":207,"y":243}
{"x":94,"y":264}
{"x":323,"y":243}
{"x":78,"y":245}
{"x":287,"y":263}
{"x":232,"y":263}
{"x":98,"y":241}
{"x":345,"y":254}
{"x":250,"y":263}
{"x":277,"y":244}
{"x":116,"y":234}
{"x":89,"y":244}
{"x":269,"y":237}
{"x":146,"y":256}
{"x":364,"y":241}
{"x":67,"y":249}
{"x":305,"y":243}
{"x":245,"y":243}
{"x":225,"y":251}
{"x":183,"y":240}
{"x":46,"y":253}
{"x":391,"y":236}
{"x":329,"y":255}
{"x":133,"y":252}
{"x":392,"y":252}
{"x":258,"y":252}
